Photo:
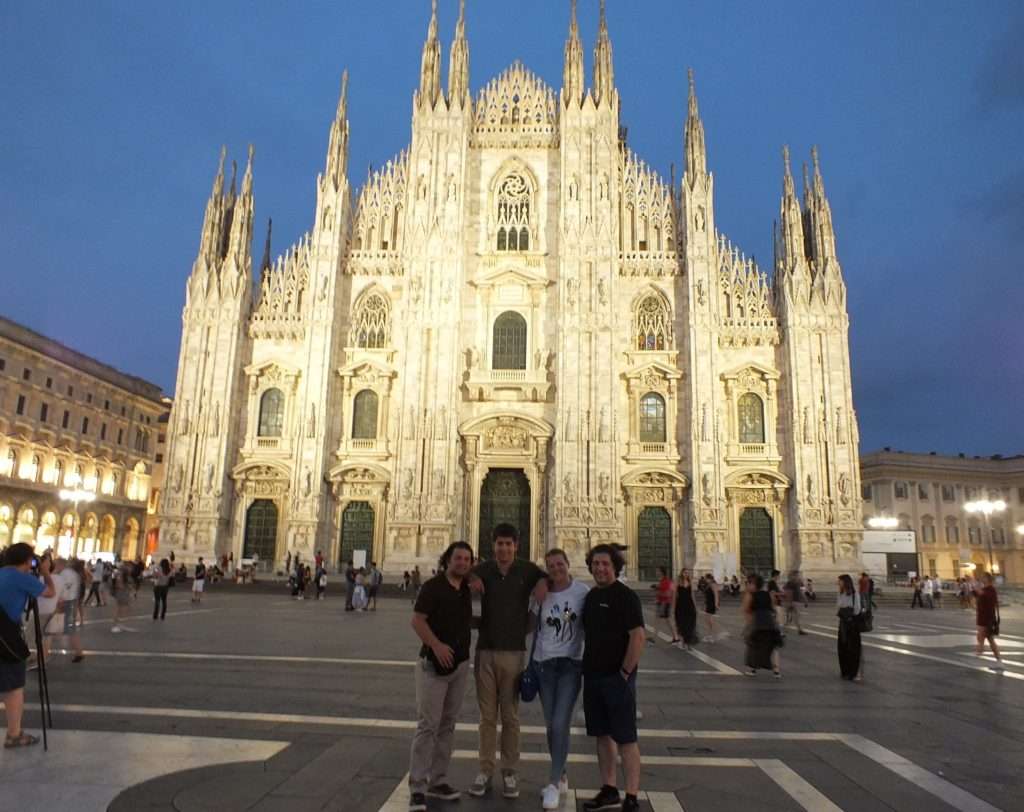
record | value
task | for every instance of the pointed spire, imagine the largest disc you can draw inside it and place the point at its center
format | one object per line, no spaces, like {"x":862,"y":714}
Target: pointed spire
{"x":240,"y":235}
{"x":822,"y":236}
{"x":211,"y":239}
{"x":247,"y":179}
{"x":430,"y":66}
{"x":604,"y":74}
{"x":696,"y":152}
{"x":819,"y":183}
{"x":572,"y":70}
{"x":458,"y":62}
{"x":807,"y":187}
{"x":337,"y":145}
{"x":218,"y":181}
{"x":791,"y":237}
{"x":265,"y":263}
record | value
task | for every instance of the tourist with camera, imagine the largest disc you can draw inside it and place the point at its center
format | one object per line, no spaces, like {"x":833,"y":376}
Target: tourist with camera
{"x":17,"y":587}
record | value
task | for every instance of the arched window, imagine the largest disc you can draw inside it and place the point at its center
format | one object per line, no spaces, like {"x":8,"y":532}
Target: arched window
{"x":751,"y":418}
{"x":509,"y":341}
{"x":58,"y":473}
{"x":652,"y":418}
{"x":12,"y":463}
{"x":364,"y":415}
{"x":952,"y":531}
{"x":271,"y":413}
{"x":927,"y":530}
{"x":652,"y":324}
{"x":371,"y":325}
{"x":514,"y":214}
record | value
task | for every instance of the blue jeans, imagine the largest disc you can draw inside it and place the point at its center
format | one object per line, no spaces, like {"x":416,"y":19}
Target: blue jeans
{"x":559,"y":689}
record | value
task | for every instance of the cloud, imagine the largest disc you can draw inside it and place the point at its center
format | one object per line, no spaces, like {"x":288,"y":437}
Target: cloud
{"x":1000,"y":82}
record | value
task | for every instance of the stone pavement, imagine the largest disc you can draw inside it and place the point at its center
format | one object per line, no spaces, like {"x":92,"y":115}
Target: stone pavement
{"x":287,"y":705}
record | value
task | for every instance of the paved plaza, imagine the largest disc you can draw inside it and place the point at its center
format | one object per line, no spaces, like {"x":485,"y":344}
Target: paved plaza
{"x":253,"y":701}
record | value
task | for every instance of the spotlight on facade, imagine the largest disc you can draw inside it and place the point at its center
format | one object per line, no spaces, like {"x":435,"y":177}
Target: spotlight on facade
{"x":77,"y":496}
{"x":985,"y":506}
{"x":883,"y":522}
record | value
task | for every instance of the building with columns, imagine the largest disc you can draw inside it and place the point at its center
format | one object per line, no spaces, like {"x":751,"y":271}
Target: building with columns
{"x":516,"y":319}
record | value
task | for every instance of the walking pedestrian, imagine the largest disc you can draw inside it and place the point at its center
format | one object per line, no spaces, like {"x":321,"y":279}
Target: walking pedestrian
{"x":665,"y":590}
{"x":762,"y":635}
{"x":558,"y":658}
{"x":122,"y":593}
{"x":350,"y":586}
{"x":712,"y":600}
{"x":17,"y":586}
{"x":441,"y":619}
{"x":506,"y":584}
{"x":684,"y":612}
{"x":416,"y":579}
{"x":300,"y":580}
{"x":793,"y":592}
{"x":359,"y":594}
{"x":406,"y":579}
{"x":848,"y":609}
{"x":776,"y":593}
{"x":84,"y":578}
{"x":915,"y":601}
{"x":374,"y":578}
{"x":199,"y":581}
{"x":98,"y":568}
{"x":987,"y":618}
{"x":613,"y":624}
{"x":927,"y":591}
{"x":68,"y":587}
{"x":321,"y":581}
{"x":162,"y":579}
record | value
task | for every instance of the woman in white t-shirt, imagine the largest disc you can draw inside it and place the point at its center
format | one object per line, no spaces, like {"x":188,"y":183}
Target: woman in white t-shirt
{"x":559,"y":661}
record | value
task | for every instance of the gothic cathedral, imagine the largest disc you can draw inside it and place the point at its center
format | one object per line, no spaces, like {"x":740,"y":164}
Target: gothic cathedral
{"x":516,"y":319}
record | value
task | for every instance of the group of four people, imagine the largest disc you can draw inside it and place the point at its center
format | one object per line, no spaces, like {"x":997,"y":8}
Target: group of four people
{"x":607,"y":617}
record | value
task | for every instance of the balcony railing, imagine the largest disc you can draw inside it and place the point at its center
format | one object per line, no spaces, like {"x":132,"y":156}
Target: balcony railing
{"x":753,"y":449}
{"x":508,"y":375}
{"x":268,"y":442}
{"x":364,"y":445}
{"x":653,"y":448}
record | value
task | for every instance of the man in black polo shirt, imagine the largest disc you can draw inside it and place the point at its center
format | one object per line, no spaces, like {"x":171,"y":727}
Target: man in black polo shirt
{"x":506,"y":584}
{"x":441,"y":618}
{"x":613,"y":625}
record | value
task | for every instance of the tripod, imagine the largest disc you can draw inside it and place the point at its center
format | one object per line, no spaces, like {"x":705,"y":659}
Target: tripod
{"x":44,"y":684}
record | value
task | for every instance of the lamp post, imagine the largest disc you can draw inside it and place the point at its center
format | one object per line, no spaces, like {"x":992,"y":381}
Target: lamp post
{"x":76,"y":496}
{"x":986,"y":508}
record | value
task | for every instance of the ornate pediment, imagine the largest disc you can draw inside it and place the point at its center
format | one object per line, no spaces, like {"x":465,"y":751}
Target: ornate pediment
{"x":358,"y":481}
{"x":516,"y":109}
{"x":507,"y":435}
{"x":260,"y":479}
{"x":653,"y":376}
{"x":272,"y":373}
{"x":750,"y":378}
{"x":368,"y":372}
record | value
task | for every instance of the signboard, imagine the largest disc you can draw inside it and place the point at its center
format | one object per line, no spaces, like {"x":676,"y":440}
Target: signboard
{"x":889,"y":541}
{"x":358,"y":558}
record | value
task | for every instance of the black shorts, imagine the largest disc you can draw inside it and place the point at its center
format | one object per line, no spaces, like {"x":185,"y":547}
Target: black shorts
{"x":12,"y":676}
{"x":663,"y":609}
{"x":609,"y":704}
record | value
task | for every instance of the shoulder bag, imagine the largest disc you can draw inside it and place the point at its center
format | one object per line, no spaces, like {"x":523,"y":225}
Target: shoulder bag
{"x":529,"y":680}
{"x":13,"y":648}
{"x":995,"y":623}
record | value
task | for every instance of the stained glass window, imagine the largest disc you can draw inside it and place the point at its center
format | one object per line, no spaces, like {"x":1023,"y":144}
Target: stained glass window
{"x":364,"y":416}
{"x":271,"y":413}
{"x":651,"y":324}
{"x":509,"y":341}
{"x":751,"y":418}
{"x":652,"y":418}
{"x":371,"y":326}
{"x":514,"y":214}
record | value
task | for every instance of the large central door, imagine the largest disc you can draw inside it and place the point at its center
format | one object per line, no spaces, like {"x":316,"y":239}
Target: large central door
{"x":757,"y":545}
{"x":504,"y":497}
{"x":261,"y":531}
{"x":654,"y":542}
{"x":356,"y":531}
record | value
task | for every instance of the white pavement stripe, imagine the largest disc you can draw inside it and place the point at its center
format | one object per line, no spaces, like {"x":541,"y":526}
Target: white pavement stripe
{"x":963,"y":629}
{"x":991,"y":658}
{"x":942,"y":789}
{"x":795,"y":786}
{"x":718,"y":665}
{"x":664,"y":802}
{"x":651,"y":761}
{"x":984,"y":669}
{"x":144,"y":617}
{"x":399,"y":799}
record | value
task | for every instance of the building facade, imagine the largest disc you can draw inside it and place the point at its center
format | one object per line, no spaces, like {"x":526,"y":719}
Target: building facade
{"x":927,"y":493}
{"x":516,"y":319}
{"x":76,"y":448}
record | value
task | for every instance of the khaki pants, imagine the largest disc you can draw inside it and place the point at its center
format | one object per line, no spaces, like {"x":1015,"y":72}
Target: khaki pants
{"x":497,"y":691}
{"x":438,"y":700}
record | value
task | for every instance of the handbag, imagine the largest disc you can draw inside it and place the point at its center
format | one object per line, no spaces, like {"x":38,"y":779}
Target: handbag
{"x":13,"y":648}
{"x":995,"y":623}
{"x":529,"y":680}
{"x":865,"y":622}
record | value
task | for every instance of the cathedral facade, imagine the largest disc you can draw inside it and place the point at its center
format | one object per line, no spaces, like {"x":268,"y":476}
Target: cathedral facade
{"x":516,"y":319}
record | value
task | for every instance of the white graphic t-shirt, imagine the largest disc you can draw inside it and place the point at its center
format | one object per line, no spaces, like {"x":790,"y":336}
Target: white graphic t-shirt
{"x":561,"y":623}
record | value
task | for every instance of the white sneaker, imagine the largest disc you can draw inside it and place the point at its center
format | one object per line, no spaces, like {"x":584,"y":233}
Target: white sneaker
{"x":709,"y":639}
{"x":115,"y":629}
{"x":563,"y":784}
{"x":510,"y":785}
{"x":550,"y":798}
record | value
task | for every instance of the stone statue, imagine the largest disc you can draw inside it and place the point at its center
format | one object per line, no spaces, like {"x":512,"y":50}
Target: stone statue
{"x":307,"y":482}
{"x":569,"y":488}
{"x":844,"y":489}
{"x":311,"y":430}
{"x":179,"y":477}
{"x":705,"y":488}
{"x":602,"y":292}
{"x":183,"y":424}
{"x":569,"y":425}
{"x":812,"y":499}
{"x":705,"y":430}
{"x":603,"y":484}
{"x":408,"y":483}
{"x":209,"y":477}
{"x":438,"y":481}
{"x":808,"y":427}
{"x":603,"y":432}
{"x":840,"y":427}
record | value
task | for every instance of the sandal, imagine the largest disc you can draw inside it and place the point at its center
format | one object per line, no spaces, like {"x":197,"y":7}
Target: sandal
{"x":23,"y":740}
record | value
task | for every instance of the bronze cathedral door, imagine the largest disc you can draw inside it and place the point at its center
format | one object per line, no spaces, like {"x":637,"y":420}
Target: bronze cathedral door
{"x":504,"y":497}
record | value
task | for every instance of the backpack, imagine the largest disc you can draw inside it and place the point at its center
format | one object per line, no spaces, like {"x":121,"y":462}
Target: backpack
{"x":13,"y":648}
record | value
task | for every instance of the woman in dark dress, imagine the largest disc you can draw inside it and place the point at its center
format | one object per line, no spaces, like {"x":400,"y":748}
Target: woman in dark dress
{"x":762,"y":634}
{"x":987,"y":618}
{"x":848,"y":608}
{"x":684,"y":611}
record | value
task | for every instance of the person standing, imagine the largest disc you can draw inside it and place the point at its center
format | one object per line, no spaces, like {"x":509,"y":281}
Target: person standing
{"x":763,"y":636}
{"x":161,"y":586}
{"x":506,"y":583}
{"x":374,"y":578}
{"x":17,"y":586}
{"x":987,"y":618}
{"x":613,"y":624}
{"x":926,"y":593}
{"x":416,"y":579}
{"x":684,"y":611}
{"x":119,"y":586}
{"x":916,"y":600}
{"x":97,"y":583}
{"x":664,"y":595}
{"x":350,"y":586}
{"x":712,"y":600}
{"x":199,"y":582}
{"x":848,"y":608}
{"x":793,"y":592}
{"x":321,"y":580}
{"x":68,"y":587}
{"x":442,"y":618}
{"x":558,"y":657}
{"x":776,"y":593}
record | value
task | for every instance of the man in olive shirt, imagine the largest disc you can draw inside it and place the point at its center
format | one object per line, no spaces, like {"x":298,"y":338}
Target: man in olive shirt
{"x":505,"y":584}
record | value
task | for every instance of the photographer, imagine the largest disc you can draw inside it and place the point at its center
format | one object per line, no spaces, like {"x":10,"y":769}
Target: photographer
{"x":17,"y":586}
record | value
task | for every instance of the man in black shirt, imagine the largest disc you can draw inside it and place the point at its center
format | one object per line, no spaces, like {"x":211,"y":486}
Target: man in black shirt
{"x":199,"y":581}
{"x":441,"y":618}
{"x":506,"y":584}
{"x":613,"y":625}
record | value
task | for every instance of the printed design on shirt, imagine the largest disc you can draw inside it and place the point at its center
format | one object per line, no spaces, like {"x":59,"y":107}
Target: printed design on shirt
{"x":562,"y":620}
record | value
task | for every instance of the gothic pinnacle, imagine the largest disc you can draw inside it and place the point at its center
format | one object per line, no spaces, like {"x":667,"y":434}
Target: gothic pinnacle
{"x":218,"y":181}
{"x":343,"y":97}
{"x":458,"y":61}
{"x":696,"y":152}
{"x":604,"y":77}
{"x":572,"y":68}
{"x":265,"y":264}
{"x":430,"y":66}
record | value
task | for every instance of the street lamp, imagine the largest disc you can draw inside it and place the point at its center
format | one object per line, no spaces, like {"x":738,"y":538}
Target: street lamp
{"x":986,"y":508}
{"x":883,"y":522}
{"x":76,"y":496}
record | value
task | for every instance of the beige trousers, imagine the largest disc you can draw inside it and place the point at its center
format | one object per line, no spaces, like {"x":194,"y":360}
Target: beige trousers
{"x":438,"y":700}
{"x":497,"y":693}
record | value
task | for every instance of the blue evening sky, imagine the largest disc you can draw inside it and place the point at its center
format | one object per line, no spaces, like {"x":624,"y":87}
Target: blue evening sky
{"x":112,"y":115}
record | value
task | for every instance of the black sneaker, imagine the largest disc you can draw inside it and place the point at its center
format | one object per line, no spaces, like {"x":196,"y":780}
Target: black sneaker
{"x":605,"y":801}
{"x":417,"y":802}
{"x":445,"y":792}
{"x":630,"y":804}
